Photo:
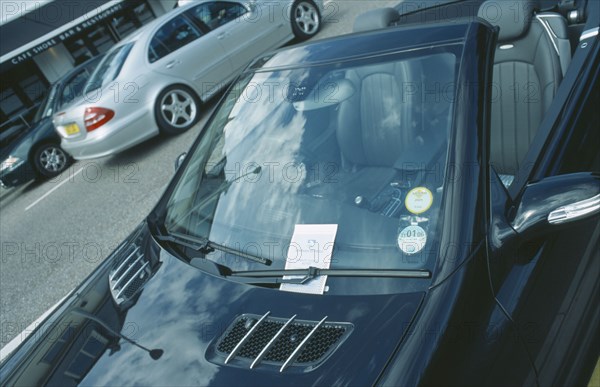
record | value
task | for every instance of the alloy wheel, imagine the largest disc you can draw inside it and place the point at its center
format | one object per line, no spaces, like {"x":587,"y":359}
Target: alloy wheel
{"x":178,"y":108}
{"x":53,"y":159}
{"x":307,"y":18}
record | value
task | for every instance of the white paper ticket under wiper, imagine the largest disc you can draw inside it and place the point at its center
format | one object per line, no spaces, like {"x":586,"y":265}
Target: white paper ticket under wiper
{"x":311,"y":245}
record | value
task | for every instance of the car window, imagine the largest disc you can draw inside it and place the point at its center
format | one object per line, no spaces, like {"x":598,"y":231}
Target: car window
{"x":215,"y":14}
{"x":175,"y":34}
{"x":109,"y":68}
{"x":73,"y":88}
{"x":45,"y":109}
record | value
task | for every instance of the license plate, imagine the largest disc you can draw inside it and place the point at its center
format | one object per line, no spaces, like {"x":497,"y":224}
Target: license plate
{"x":71,"y":129}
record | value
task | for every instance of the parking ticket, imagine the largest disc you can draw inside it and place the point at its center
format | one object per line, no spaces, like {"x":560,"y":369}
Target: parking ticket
{"x":311,"y":246}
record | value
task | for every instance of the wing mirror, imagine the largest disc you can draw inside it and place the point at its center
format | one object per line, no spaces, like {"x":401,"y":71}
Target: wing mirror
{"x":555,"y":201}
{"x":179,"y":160}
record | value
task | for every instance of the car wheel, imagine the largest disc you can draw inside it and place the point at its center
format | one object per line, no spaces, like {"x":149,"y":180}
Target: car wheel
{"x":306,"y":19}
{"x":50,"y":160}
{"x":177,"y":109}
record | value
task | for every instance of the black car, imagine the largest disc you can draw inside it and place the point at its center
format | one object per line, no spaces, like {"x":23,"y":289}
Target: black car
{"x":36,"y":153}
{"x":378,"y":208}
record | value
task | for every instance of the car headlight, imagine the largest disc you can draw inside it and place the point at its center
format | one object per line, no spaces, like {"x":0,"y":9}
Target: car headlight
{"x":9,"y":163}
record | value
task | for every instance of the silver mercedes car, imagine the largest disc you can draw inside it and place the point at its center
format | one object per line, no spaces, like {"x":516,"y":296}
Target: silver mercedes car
{"x":156,"y":80}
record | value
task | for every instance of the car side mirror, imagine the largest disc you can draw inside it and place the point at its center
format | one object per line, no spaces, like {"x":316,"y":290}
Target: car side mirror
{"x":554,"y":201}
{"x":179,"y":160}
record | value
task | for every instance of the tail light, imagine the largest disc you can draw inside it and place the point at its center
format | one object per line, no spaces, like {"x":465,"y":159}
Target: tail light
{"x":95,"y":117}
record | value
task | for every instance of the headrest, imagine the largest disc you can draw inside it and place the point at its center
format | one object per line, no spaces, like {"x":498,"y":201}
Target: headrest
{"x":513,"y":17}
{"x":375,"y":19}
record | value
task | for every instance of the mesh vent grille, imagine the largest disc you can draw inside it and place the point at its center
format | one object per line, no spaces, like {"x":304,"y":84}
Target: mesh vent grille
{"x":260,"y":339}
{"x":320,"y":343}
{"x":236,"y":333}
{"x":288,"y":342}
{"x":129,"y":275}
{"x":252,"y":339}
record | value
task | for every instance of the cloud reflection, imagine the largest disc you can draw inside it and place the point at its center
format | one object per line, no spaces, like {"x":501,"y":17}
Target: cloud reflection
{"x":184,"y":332}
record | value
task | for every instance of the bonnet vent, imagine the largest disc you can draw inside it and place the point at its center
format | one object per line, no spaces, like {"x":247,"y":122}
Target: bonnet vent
{"x":129,"y":275}
{"x":253,"y":340}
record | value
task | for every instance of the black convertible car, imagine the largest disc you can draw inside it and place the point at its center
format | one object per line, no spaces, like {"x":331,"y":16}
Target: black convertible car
{"x":412,"y":205}
{"x":36,"y":153}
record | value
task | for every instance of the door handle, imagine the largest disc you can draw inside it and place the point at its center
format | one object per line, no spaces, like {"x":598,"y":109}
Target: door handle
{"x":223,"y":35}
{"x":172,"y":64}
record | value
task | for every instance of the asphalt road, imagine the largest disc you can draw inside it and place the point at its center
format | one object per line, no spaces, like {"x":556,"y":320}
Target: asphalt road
{"x":53,"y":234}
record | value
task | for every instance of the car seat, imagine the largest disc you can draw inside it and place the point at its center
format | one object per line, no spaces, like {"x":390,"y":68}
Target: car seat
{"x":532,"y":56}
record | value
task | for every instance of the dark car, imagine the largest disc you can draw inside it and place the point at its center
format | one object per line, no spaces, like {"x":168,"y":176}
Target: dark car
{"x":363,"y":210}
{"x":37,"y":153}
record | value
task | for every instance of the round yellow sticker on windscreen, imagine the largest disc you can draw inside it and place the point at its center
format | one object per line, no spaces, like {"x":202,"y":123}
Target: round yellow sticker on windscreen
{"x":418,"y":200}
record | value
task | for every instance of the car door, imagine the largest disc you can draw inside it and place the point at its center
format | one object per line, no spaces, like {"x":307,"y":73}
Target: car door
{"x":548,"y":280}
{"x":181,"y":49}
{"x":244,"y":32}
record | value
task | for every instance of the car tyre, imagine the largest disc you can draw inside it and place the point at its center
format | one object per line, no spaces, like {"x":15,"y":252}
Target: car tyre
{"x":50,"y":160}
{"x":306,"y":19}
{"x":177,"y":109}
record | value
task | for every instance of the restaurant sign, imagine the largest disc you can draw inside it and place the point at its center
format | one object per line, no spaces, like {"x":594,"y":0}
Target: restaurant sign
{"x":62,"y":36}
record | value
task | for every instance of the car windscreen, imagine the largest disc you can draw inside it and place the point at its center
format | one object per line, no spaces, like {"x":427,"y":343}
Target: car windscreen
{"x":109,"y":68}
{"x":360,"y":144}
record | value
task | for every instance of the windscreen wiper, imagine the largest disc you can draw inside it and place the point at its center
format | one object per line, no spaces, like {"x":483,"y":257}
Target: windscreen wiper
{"x":206,"y":246}
{"x":301,"y":276}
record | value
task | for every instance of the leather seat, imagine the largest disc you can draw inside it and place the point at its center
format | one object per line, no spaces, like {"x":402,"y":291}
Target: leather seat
{"x":398,"y":115}
{"x":397,"y":119}
{"x":374,"y":124}
{"x":373,"y":129}
{"x":532,"y":56}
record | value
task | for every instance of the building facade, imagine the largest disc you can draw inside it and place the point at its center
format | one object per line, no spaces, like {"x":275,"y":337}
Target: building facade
{"x":42,"y":40}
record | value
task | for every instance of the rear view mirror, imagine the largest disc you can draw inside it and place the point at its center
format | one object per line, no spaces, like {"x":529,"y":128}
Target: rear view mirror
{"x":326,"y":94}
